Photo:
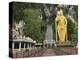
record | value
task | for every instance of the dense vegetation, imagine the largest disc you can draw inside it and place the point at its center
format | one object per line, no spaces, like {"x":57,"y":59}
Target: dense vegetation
{"x":32,"y":16}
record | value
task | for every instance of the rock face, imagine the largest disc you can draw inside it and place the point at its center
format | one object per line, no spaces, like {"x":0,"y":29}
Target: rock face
{"x":49,"y":33}
{"x":48,"y":42}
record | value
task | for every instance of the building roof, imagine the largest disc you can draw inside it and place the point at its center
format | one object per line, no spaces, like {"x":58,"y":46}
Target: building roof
{"x":26,"y":39}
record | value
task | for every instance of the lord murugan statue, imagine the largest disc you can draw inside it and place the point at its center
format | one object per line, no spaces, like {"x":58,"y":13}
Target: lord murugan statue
{"x":61,"y":26}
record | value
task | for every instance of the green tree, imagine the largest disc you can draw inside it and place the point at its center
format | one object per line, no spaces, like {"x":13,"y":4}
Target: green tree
{"x":31,"y":14}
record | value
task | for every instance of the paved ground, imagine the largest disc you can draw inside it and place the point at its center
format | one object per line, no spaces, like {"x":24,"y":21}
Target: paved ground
{"x":49,"y":52}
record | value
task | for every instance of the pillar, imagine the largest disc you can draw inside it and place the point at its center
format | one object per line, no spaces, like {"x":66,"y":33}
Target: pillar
{"x":19,"y":46}
{"x":24,"y":46}
{"x":12,"y":45}
{"x":27,"y":45}
{"x":33,"y":45}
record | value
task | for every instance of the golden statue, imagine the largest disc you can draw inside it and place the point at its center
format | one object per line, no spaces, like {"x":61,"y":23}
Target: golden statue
{"x":61,"y":26}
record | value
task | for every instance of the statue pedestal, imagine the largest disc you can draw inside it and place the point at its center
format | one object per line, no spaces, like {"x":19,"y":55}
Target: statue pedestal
{"x":65,"y":43}
{"x":48,"y":43}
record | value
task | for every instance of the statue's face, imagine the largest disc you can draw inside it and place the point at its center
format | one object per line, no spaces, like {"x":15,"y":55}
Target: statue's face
{"x":58,"y":13}
{"x":61,"y":12}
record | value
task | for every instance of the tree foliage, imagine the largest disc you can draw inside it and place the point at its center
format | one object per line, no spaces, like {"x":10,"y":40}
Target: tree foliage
{"x":32,"y":16}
